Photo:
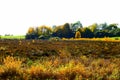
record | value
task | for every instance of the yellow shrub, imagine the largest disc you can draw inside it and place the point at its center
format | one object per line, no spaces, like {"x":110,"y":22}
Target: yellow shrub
{"x":36,"y":70}
{"x":11,"y":68}
{"x":11,"y":62}
{"x":70,"y":71}
{"x":1,"y":70}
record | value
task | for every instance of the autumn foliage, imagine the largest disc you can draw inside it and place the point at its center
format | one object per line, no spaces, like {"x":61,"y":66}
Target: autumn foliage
{"x":77,"y":34}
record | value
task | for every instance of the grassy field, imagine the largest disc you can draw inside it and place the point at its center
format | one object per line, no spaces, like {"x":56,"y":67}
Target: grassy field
{"x":102,"y":39}
{"x":13,"y":37}
{"x":59,"y":60}
{"x":115,"y":38}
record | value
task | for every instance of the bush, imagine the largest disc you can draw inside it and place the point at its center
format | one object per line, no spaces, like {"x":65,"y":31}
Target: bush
{"x":116,"y":38}
{"x":11,"y":68}
{"x":77,"y":35}
{"x":54,"y":39}
{"x":31,"y":36}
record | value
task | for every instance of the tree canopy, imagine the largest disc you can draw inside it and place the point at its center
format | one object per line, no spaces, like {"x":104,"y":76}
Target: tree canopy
{"x":74,"y":30}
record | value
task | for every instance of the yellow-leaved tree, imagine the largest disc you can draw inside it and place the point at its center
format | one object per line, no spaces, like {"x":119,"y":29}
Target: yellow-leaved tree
{"x":77,"y":34}
{"x":31,"y":30}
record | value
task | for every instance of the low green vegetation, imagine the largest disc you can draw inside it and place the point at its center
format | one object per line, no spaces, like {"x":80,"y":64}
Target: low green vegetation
{"x":13,"y":37}
{"x":115,"y":38}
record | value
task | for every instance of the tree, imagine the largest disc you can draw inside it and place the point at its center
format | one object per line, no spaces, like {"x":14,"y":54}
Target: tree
{"x":77,"y":34}
{"x":87,"y":33}
{"x":36,"y":33}
{"x":63,"y":31}
{"x":31,"y":30}
{"x":76,"y":26}
{"x":44,"y":30}
{"x":114,"y":25}
{"x":106,"y":30}
{"x":114,"y":32}
{"x":103,"y":26}
{"x":67,"y":32}
{"x":31,"y":34}
{"x":53,"y":27}
{"x":57,"y":32}
{"x":93,"y":27}
{"x":101,"y":34}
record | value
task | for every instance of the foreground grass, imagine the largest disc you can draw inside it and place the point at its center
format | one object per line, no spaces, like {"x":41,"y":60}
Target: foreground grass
{"x":60,"y":68}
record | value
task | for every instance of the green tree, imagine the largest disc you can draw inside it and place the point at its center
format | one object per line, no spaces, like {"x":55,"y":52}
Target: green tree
{"x":75,"y":26}
{"x":103,"y":26}
{"x":31,"y":34}
{"x":93,"y":27}
{"x":57,"y":32}
{"x":63,"y":31}
{"x":101,"y":33}
{"x":67,"y":32}
{"x":87,"y":33}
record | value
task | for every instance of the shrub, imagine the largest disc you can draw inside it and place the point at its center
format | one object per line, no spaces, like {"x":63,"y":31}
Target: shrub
{"x":54,"y":39}
{"x":39,"y":72}
{"x":116,"y":38}
{"x":11,"y":68}
{"x":77,"y":34}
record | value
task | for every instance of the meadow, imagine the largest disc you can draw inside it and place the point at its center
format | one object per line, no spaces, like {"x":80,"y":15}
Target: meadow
{"x":59,"y":60}
{"x":13,"y":37}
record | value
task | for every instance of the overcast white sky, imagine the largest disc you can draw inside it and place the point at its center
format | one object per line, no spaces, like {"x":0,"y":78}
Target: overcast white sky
{"x":16,"y":16}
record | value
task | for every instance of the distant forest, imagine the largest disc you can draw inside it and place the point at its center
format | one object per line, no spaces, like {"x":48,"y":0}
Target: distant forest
{"x":74,"y":30}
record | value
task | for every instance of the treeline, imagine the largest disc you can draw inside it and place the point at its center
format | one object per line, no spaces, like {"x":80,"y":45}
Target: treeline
{"x":74,"y":30}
